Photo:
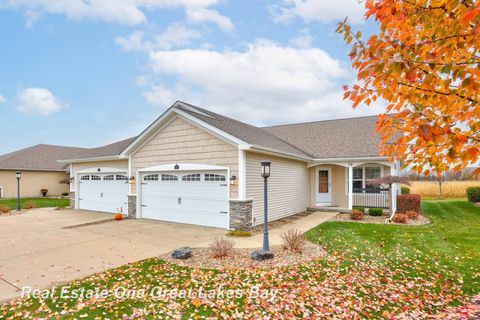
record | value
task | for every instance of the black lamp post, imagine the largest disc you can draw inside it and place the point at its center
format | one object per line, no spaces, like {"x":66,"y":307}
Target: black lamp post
{"x":265,"y":252}
{"x":18,"y":175}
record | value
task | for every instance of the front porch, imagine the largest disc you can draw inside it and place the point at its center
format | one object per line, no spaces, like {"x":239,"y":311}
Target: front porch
{"x":343,"y":185}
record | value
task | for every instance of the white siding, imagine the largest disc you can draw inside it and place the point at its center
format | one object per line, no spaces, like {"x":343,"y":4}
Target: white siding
{"x":288,"y":186}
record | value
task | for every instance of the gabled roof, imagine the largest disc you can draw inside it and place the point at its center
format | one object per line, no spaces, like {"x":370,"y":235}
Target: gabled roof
{"x":341,"y":138}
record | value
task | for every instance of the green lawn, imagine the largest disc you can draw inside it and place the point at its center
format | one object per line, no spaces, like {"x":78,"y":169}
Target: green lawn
{"x":41,"y":202}
{"x":452,"y":239}
{"x":370,"y":271}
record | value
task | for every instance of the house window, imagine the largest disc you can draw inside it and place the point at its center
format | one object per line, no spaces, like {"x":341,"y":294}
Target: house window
{"x":109,"y":177}
{"x":95,"y":177}
{"x":121,"y":177}
{"x":191,"y":177}
{"x":151,"y":177}
{"x":87,"y":177}
{"x":169,"y":177}
{"x":361,"y":177}
{"x":214,"y":177}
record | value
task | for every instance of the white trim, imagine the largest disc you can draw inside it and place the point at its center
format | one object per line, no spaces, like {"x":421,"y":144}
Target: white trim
{"x":276,"y":152}
{"x":129,"y":174}
{"x":101,"y":170}
{"x":317,"y":182}
{"x":350,"y":187}
{"x":363,"y":166}
{"x":355,"y":162}
{"x":184,"y":167}
{"x":348,"y":159}
{"x":242,"y":175}
{"x":106,"y":158}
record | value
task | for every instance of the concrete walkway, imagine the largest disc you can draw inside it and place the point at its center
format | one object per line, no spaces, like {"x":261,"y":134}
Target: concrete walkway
{"x":303,"y":224}
{"x":42,"y":247}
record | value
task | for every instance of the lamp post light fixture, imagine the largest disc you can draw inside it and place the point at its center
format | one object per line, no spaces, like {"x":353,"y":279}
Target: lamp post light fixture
{"x":18,"y":175}
{"x":265,"y":252}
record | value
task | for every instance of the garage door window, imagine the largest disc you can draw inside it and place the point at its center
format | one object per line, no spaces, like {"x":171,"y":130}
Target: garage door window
{"x":191,"y":177}
{"x":214,"y":177}
{"x":121,"y":177}
{"x":151,"y":177}
{"x":109,"y":177}
{"x":95,"y":177}
{"x":169,"y":177}
{"x":87,"y":177}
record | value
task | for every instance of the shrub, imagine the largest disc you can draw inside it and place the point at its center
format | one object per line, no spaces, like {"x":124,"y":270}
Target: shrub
{"x":362,"y":209}
{"x":239,"y":233}
{"x":376,"y":212}
{"x":405,"y":190}
{"x":293,"y":240}
{"x":408,"y":202}
{"x":356,"y":215}
{"x":4,"y":209}
{"x":44,"y":192}
{"x":221,"y":247}
{"x":473,"y":194}
{"x":400,"y":218}
{"x":65,"y":194}
{"x":31,"y":205}
{"x":412,"y":215}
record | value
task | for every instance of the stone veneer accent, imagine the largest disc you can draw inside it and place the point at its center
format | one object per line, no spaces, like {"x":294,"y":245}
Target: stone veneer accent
{"x":241,"y":215}
{"x":71,"y":195}
{"x":132,"y":207}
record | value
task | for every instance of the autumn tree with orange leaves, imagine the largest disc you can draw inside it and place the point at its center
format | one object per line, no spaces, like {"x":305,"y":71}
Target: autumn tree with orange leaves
{"x":425,"y":63}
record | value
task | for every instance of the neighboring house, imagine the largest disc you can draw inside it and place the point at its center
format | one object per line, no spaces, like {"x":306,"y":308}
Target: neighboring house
{"x":195,"y":166}
{"x":39,"y":168}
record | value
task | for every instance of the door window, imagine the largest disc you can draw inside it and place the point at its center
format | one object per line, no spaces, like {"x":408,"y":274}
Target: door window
{"x":323,"y":181}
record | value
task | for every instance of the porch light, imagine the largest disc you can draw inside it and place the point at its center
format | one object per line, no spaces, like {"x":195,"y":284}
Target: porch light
{"x":18,"y":175}
{"x":265,"y":168}
{"x":233,"y":179}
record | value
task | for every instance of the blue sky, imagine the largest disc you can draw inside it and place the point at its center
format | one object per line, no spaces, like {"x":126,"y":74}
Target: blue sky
{"x":87,"y":73}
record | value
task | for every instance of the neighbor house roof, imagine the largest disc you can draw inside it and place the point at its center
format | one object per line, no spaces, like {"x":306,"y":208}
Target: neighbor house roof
{"x":45,"y":157}
{"x":341,"y":138}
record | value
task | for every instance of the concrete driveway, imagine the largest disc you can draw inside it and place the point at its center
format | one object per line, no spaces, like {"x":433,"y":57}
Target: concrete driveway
{"x":43,"y":247}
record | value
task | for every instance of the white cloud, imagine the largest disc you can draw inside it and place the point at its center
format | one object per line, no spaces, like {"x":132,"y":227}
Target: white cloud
{"x":201,"y":15}
{"x":325,"y":11}
{"x":2,"y":99}
{"x":303,"y":40}
{"x":38,"y":101}
{"x":134,"y":42}
{"x":265,"y":83}
{"x":131,"y":12}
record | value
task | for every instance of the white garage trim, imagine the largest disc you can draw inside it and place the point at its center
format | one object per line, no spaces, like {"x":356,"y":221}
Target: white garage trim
{"x":182,"y":168}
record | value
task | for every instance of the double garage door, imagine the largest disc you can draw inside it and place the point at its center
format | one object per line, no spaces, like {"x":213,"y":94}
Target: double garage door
{"x":105,"y":192}
{"x":199,"y":198}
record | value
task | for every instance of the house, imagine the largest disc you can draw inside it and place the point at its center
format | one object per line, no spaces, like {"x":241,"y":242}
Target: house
{"x":40,"y":168}
{"x":198,"y":167}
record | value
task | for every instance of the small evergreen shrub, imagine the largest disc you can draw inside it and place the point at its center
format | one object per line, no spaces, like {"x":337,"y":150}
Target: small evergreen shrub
{"x":239,"y":233}
{"x":412,"y":215}
{"x":375,"y":212}
{"x":356,"y":215}
{"x":362,"y":209}
{"x":400,"y":218}
{"x":473,"y":194}
{"x":405,"y":190}
{"x":408,"y":202}
{"x":65,"y":194}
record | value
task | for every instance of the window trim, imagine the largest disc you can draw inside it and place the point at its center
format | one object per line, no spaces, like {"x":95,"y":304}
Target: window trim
{"x":214,"y":177}
{"x":199,"y":175}
{"x":165,"y":175}
{"x":363,"y":166}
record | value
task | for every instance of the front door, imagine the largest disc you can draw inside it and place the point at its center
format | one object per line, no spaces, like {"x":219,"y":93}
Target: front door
{"x":324,"y":187}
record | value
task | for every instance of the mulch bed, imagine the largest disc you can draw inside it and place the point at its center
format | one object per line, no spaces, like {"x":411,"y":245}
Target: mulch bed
{"x":240,"y":258}
{"x":345,"y":217}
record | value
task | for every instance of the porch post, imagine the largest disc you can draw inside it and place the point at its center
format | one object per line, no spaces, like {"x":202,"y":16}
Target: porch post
{"x":350,"y":186}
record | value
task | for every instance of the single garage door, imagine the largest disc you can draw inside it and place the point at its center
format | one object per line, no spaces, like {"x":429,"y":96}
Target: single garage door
{"x":103,"y":192}
{"x":199,"y":198}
